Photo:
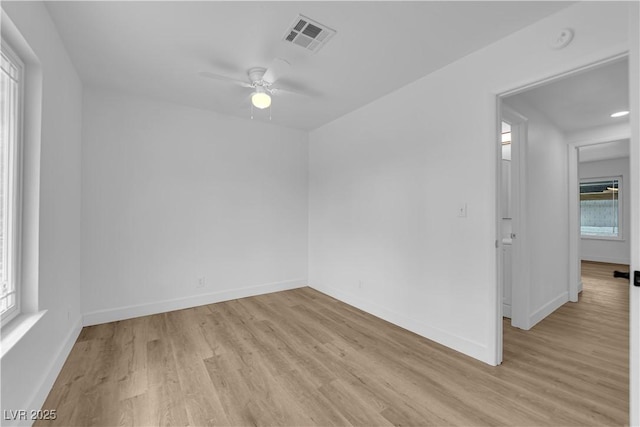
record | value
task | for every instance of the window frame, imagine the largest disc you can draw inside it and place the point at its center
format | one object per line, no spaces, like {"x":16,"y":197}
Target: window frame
{"x":620,"y":236}
{"x":15,"y":247}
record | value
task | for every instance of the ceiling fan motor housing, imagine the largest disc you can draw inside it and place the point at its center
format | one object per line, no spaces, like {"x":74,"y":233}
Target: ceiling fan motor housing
{"x":256,"y":74}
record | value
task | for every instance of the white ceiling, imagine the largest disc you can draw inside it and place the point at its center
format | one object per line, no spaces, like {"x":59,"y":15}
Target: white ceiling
{"x":156,"y":49}
{"x":584,"y":100}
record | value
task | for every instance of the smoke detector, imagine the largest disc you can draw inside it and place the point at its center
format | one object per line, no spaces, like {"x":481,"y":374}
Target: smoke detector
{"x":562,"y":38}
{"x":308,"y":34}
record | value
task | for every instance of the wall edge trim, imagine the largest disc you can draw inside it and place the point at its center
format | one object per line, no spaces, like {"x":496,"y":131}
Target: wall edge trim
{"x":609,"y":260}
{"x":41,"y":392}
{"x":548,"y":308}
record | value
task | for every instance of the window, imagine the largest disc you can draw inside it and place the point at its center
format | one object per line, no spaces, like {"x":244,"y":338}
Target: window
{"x":10,"y":197}
{"x":600,"y":208}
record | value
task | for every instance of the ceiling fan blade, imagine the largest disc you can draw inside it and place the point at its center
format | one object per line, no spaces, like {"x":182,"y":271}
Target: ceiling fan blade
{"x":277,"y":69}
{"x":210,"y":75}
{"x":285,"y":90}
{"x":282,"y":91}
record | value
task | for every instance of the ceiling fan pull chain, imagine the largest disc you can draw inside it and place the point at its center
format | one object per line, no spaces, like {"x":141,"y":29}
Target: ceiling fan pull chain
{"x":251,"y":111}
{"x":270,"y":108}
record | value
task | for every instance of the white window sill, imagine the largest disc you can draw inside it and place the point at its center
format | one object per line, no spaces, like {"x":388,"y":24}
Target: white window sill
{"x":610,"y":238}
{"x":17,"y":328}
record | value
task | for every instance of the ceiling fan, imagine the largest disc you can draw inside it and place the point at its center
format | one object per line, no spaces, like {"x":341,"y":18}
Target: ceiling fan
{"x":261,"y":80}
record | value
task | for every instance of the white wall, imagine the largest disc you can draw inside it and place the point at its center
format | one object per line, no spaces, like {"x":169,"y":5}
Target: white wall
{"x":547,"y":216}
{"x":616,"y":251}
{"x":599,"y":134}
{"x":32,"y":364}
{"x":171,"y":194}
{"x":634,"y":172}
{"x":604,"y":151}
{"x":386,"y":182}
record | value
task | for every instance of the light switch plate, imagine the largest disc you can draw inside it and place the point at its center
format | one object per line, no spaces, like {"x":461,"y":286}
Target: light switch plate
{"x":462,"y":210}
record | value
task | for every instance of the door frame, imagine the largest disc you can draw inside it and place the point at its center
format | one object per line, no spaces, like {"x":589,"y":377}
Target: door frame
{"x":520,"y":248}
{"x":575,"y":279}
{"x":634,"y":232}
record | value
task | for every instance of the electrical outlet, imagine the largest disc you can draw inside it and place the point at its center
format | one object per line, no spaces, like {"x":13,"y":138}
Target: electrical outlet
{"x":200,"y":283}
{"x":360,"y":285}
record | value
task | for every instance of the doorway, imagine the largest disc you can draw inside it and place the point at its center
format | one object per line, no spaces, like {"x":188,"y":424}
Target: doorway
{"x":550,"y":123}
{"x":600,"y":128}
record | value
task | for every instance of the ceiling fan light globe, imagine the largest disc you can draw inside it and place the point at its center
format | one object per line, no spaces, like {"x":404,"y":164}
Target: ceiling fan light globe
{"x":261,"y":100}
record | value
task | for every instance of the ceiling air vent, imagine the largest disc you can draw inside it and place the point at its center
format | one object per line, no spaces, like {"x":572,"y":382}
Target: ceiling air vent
{"x":308,"y":34}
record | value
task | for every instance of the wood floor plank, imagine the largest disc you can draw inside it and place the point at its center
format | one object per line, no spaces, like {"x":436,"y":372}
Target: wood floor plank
{"x":201,"y":400}
{"x":131,"y":357}
{"x":164,"y":392}
{"x":302,"y":358}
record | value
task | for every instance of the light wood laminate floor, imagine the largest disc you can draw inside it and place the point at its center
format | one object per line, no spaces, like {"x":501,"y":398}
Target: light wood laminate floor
{"x":301,"y":358}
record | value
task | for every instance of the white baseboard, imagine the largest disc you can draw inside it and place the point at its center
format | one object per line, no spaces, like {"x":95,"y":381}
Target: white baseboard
{"x":463,"y":345}
{"x":42,"y":391}
{"x":548,"y":308}
{"x":609,"y":260}
{"x":138,"y":310}
{"x":506,"y":310}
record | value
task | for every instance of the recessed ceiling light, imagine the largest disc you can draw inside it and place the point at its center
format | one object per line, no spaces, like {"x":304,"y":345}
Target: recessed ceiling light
{"x":620,"y":114}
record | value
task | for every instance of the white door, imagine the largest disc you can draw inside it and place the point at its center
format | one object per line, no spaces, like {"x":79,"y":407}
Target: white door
{"x":519,"y":258}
